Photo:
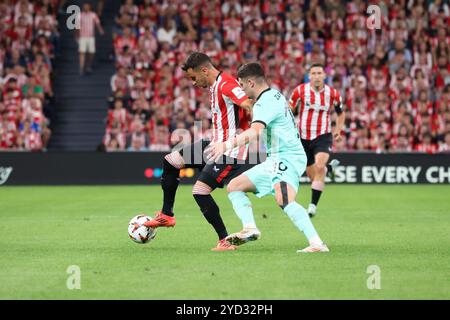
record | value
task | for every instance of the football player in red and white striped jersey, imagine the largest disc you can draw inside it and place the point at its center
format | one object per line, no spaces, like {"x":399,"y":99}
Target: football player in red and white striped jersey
{"x":230,"y":108}
{"x":313,"y":103}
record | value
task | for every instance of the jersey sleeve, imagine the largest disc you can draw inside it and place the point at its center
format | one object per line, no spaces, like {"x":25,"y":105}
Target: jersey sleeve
{"x":264,"y":112}
{"x":232,"y":90}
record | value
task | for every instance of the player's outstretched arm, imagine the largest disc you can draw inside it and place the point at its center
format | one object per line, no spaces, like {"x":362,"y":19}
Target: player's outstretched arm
{"x":216,"y":150}
{"x":340,"y":120}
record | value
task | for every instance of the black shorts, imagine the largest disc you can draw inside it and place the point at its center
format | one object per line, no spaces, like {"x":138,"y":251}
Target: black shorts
{"x":214,"y":174}
{"x":322,"y":143}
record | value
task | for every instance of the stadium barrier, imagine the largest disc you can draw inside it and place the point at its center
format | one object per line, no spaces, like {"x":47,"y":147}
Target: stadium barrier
{"x":90,"y":168}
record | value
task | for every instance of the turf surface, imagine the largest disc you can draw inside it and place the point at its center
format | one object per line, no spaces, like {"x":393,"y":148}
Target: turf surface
{"x":404,"y":230}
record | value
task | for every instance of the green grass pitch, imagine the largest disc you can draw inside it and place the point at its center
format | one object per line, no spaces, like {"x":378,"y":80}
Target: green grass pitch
{"x":404,"y":230}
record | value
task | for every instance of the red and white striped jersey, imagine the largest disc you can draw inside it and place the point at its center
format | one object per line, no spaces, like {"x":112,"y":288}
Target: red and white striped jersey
{"x":227,"y":117}
{"x":314,"y":109}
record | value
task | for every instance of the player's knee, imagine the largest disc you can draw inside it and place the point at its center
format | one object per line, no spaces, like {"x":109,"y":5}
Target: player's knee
{"x":233,"y":186}
{"x":167,"y":166}
{"x":173,"y":161}
{"x":201,"y":188}
{"x":320,"y":168}
{"x":170,"y":176}
{"x":282,"y":202}
{"x":169,"y":156}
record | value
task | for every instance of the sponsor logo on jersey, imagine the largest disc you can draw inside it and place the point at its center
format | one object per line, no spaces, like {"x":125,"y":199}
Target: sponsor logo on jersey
{"x":238,"y":92}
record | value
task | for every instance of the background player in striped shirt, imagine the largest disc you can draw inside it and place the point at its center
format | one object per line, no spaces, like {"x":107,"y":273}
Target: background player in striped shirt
{"x":86,"y":41}
{"x":313,"y":102}
{"x":229,"y":104}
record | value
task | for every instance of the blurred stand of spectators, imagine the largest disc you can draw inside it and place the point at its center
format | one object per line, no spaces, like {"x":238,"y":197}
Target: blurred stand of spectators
{"x":395,"y":80}
{"x":28,"y":45}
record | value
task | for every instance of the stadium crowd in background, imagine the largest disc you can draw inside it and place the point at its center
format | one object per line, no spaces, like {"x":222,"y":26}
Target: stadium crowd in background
{"x":28,"y":40}
{"x":395,"y":80}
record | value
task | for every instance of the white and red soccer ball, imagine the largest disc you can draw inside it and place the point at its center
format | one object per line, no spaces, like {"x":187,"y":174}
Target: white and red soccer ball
{"x":138,"y":232}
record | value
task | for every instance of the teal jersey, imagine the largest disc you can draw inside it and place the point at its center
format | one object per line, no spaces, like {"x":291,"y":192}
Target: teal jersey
{"x":281,"y":134}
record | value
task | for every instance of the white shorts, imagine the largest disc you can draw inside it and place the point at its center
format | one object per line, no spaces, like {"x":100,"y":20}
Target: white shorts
{"x":86,"y":45}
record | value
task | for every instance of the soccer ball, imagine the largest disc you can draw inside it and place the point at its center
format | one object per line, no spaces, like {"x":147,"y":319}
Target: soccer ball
{"x":139,"y":233}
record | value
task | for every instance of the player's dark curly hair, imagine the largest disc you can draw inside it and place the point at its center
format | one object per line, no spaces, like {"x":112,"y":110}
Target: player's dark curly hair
{"x":314,"y":65}
{"x":195,"y":60}
{"x":252,"y":69}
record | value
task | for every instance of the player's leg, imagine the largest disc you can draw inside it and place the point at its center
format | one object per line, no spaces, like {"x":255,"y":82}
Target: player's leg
{"x":285,"y":195}
{"x":82,"y":62}
{"x":308,"y":145}
{"x":172,"y":164}
{"x":320,"y":148}
{"x":89,"y":62}
{"x":82,"y":53}
{"x":213,"y":176}
{"x":318,"y":180}
{"x":310,"y":172}
{"x":90,"y":55}
{"x":170,"y":180}
{"x":202,"y":195}
{"x":318,"y":187}
{"x":237,"y":189}
{"x":258,"y":180}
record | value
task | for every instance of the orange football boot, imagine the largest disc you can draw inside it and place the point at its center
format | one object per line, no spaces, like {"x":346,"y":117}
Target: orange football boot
{"x":160,"y":220}
{"x":224,"y":245}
